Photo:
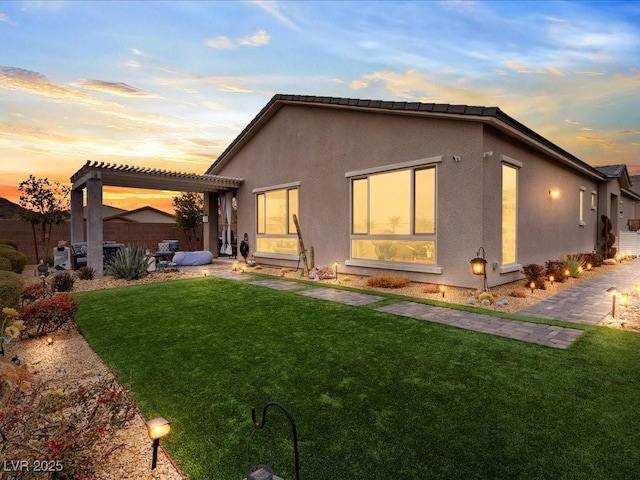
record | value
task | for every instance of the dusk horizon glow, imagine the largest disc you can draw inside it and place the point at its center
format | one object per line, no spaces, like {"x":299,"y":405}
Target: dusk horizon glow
{"x":169,"y":85}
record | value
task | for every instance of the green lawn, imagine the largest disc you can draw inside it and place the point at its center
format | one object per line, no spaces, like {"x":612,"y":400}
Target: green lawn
{"x":374,"y":395}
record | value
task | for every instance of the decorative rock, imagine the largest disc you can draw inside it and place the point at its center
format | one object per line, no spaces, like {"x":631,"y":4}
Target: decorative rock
{"x":610,"y":261}
{"x":471,"y":300}
{"x":485,"y":302}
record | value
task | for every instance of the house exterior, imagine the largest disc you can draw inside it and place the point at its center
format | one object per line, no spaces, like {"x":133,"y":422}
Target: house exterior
{"x":142,"y":215}
{"x":414,"y":188}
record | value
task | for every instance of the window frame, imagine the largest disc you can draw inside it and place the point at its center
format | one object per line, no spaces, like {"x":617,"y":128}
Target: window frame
{"x":260,"y":205}
{"x":412,"y":167}
{"x":516,"y":165}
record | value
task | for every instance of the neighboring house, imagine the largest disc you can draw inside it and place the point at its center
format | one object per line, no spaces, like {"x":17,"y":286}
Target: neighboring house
{"x":414,"y":188}
{"x":107,"y":211}
{"x":142,"y":215}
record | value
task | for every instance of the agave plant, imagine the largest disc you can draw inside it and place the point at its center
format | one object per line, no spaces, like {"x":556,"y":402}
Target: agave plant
{"x":574,"y":264}
{"x":130,"y":263}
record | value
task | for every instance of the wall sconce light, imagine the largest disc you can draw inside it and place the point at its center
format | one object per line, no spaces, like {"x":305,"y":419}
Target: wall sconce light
{"x":442,"y":289}
{"x":552,"y":279}
{"x":554,"y":192}
{"x":614,"y":293}
{"x":156,"y":429}
{"x":479,"y":267}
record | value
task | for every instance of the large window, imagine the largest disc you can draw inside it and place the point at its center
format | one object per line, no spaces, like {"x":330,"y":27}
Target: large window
{"x":509,"y":213}
{"x":276,"y":232}
{"x":393,"y":216}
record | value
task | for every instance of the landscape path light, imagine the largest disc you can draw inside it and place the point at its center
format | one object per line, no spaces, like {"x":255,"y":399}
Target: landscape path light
{"x":156,"y":429}
{"x":614,"y":293}
{"x":624,"y":299}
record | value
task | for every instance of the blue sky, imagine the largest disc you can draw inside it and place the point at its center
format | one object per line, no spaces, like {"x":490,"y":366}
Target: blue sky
{"x":170,"y":84}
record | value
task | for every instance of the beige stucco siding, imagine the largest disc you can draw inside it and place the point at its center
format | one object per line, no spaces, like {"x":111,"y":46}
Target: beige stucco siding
{"x":316,"y":146}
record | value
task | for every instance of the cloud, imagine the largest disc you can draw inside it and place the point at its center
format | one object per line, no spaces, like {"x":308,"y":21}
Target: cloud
{"x":258,"y":39}
{"x":273,"y":9}
{"x":220,"y":42}
{"x":4,"y":18}
{"x":115,"y":88}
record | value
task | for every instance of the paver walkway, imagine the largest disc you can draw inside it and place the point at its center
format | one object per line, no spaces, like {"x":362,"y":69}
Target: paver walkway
{"x":549,"y":335}
{"x":278,"y":284}
{"x":589,"y":301}
{"x":341,"y":296}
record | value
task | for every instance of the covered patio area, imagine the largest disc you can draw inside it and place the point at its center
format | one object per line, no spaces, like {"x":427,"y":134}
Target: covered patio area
{"x":94,"y":175}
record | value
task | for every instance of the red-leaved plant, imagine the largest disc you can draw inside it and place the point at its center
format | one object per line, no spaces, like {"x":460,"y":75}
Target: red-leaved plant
{"x":46,"y":316}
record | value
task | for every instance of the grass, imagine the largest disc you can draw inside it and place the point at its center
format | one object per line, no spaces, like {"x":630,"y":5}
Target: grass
{"x":374,"y":395}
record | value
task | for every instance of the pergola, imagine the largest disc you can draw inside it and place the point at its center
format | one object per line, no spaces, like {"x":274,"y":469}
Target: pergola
{"x":93,"y":175}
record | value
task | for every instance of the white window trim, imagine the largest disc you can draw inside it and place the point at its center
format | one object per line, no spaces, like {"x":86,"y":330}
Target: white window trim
{"x":276,"y":256}
{"x":511,"y":161}
{"x":509,"y":268}
{"x":401,"y":266}
{"x":581,"y":198}
{"x":594,"y":200}
{"x":413,"y":164}
{"x":276,"y":187}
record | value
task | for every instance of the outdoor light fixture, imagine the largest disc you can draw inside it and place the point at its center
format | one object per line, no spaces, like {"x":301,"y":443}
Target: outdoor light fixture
{"x":613,"y":291}
{"x":479,"y":267}
{"x":442,"y":289}
{"x":589,"y":267}
{"x":624,"y":299}
{"x":235,"y":266}
{"x":264,"y":472}
{"x":636,"y":289}
{"x":552,"y":279}
{"x":554,"y":192}
{"x":567,"y":273}
{"x":156,"y":429}
{"x":532,"y":286}
{"x":335,"y":266}
{"x":49,"y":341}
{"x":204,"y":272}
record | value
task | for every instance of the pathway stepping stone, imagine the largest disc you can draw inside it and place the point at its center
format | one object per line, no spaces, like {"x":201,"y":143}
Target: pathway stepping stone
{"x":232,"y":276}
{"x":341,"y":296}
{"x":279,"y":284}
{"x":548,"y":335}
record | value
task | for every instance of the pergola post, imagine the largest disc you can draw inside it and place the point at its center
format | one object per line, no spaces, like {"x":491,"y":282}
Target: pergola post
{"x":94,"y":225}
{"x":210,"y":229}
{"x":77,"y":217}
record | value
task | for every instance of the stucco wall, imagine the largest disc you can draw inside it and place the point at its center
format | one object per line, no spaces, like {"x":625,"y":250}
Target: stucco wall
{"x":316,"y":146}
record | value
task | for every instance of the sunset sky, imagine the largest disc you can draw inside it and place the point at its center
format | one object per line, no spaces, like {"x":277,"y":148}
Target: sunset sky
{"x":170,"y":84}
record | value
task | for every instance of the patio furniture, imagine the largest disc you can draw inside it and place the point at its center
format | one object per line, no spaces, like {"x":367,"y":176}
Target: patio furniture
{"x":164,"y":254}
{"x":79,"y":252}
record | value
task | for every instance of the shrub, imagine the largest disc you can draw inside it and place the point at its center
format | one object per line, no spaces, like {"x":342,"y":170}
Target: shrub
{"x":33,"y":292}
{"x":11,"y":285}
{"x":595,"y":259}
{"x":18,"y":259}
{"x":431,"y":288}
{"x":388,"y":281}
{"x":574,"y":264}
{"x":11,"y":243}
{"x":85,"y":273}
{"x":518,"y":294}
{"x":48,"y":315}
{"x":5,"y":264}
{"x":534,"y":273}
{"x":130,"y":263}
{"x":62,"y":282}
{"x":58,"y":428}
{"x":556,"y":268}
{"x":485,"y":296}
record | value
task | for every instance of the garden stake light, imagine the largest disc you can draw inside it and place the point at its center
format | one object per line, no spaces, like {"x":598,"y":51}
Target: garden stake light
{"x":624,"y":299}
{"x":442,"y":290}
{"x":49,"y":341}
{"x":613,"y":291}
{"x":552,"y":279}
{"x":532,"y":286}
{"x":156,"y":429}
{"x":636,"y":289}
{"x":264,"y":472}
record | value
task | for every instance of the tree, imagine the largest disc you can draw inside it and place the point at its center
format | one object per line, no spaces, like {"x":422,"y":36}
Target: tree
{"x":46,"y":204}
{"x":189,"y":208}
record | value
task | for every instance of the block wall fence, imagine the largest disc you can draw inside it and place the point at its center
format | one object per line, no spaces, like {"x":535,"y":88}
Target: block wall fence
{"x":147,"y":234}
